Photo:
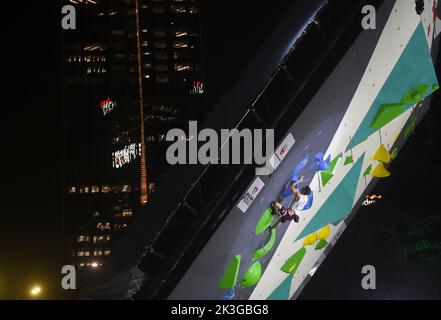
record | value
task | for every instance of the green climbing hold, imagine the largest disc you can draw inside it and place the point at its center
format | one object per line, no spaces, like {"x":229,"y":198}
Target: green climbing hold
{"x":421,"y":89}
{"x":326,"y":177}
{"x":328,"y":173}
{"x":348,"y":160}
{"x":368,"y":171}
{"x":333,"y":164}
{"x":291,"y":265}
{"x":252,"y":276}
{"x":265,"y":221}
{"x":386,"y":114}
{"x":259,"y":253}
{"x":394,"y":154}
{"x":415,"y":95}
{"x":321,"y":244}
{"x":230,"y":277}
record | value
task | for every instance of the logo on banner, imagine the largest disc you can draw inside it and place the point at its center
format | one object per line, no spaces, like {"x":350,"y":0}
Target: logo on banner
{"x":251,"y":194}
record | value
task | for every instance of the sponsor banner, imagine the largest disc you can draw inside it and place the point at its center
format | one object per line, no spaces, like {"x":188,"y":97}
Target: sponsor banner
{"x":285,"y":146}
{"x":251,"y":194}
{"x":274,"y":161}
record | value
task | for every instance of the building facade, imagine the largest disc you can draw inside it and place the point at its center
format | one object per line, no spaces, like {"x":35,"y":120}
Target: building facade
{"x":133,"y":70}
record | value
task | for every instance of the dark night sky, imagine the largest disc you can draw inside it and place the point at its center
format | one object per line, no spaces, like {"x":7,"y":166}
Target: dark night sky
{"x":32,"y":173}
{"x":31,"y":227}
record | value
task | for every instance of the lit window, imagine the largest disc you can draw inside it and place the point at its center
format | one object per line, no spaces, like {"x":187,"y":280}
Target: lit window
{"x":182,"y":67}
{"x":192,"y":9}
{"x":179,"y":34}
{"x":106,"y":189}
{"x":83,"y":253}
{"x":101,"y":238}
{"x":97,"y":253}
{"x":119,"y":226}
{"x":178,"y":8}
{"x":94,"y":264}
{"x":180,"y":43}
{"x":84,"y":189}
{"x":95,"y":189}
{"x":127,"y":213}
{"x":95,"y":47}
{"x":83,"y":238}
{"x":103,"y":226}
{"x":107,"y":252}
{"x":71,"y":190}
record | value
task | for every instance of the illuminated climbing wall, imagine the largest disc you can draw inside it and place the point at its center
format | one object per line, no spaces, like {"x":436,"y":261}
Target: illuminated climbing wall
{"x":343,"y":141}
{"x":399,"y":76}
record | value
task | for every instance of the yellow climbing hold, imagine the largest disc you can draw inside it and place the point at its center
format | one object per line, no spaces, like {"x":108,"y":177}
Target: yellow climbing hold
{"x":380,"y":171}
{"x":382,"y":155}
{"x":310,"y":240}
{"x":323,"y":234}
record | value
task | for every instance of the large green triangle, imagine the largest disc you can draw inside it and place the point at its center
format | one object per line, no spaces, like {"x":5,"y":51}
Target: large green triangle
{"x":339,"y":204}
{"x":386,"y":114}
{"x":327,"y":174}
{"x":413,"y":69}
{"x":333,"y":164}
{"x":282,"y":291}
{"x":326,"y":177}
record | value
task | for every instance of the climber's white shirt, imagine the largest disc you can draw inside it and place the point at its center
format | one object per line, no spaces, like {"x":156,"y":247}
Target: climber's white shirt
{"x":301,"y":203}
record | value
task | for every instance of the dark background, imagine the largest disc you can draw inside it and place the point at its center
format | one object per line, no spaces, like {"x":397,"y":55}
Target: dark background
{"x":33,"y":181}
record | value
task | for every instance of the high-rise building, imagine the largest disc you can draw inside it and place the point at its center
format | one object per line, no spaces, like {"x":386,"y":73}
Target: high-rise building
{"x":133,"y":70}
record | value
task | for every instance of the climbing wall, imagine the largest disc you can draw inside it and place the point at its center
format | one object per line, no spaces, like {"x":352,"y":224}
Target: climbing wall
{"x":398,"y":78}
{"x":343,"y":142}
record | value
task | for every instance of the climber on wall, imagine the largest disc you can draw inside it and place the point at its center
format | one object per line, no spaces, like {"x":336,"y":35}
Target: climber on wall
{"x":300,"y":201}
